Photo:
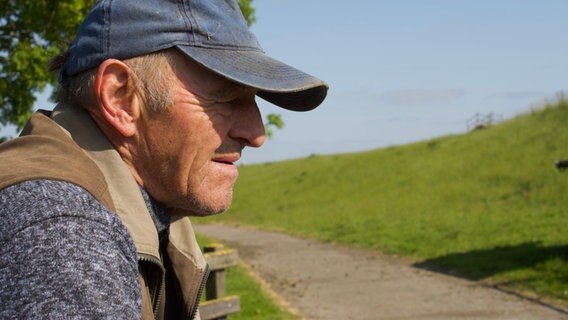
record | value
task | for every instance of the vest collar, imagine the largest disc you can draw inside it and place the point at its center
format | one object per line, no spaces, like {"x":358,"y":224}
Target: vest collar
{"x":124,"y":190}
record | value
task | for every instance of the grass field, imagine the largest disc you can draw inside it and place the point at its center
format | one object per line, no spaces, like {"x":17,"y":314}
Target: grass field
{"x":487,"y":205}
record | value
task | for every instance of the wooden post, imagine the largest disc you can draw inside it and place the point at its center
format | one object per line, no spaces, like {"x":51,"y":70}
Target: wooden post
{"x":216,"y":287}
{"x":217,"y":305}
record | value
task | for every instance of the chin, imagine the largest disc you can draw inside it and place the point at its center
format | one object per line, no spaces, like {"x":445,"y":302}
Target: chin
{"x":180,"y":213}
{"x":198,"y":208}
{"x":210,"y":213}
{"x":213,"y":209}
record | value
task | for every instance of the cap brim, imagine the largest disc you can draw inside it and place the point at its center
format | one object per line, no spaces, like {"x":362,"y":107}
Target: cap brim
{"x":277,"y":82}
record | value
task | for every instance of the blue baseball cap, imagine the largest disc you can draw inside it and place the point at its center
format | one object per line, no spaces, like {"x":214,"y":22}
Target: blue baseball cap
{"x":214,"y":33}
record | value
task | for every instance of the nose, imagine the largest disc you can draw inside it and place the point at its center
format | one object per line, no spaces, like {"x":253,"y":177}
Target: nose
{"x":248,"y":125}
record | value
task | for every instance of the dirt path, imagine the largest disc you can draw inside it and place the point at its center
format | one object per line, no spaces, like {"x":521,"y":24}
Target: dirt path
{"x":325,"y":281}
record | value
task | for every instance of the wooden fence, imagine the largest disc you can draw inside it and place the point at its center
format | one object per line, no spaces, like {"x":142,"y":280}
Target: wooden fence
{"x":218,"y":306}
{"x":481,"y":121}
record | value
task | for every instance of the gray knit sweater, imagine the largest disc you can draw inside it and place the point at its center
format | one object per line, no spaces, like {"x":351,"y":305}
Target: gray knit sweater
{"x":63,"y":255}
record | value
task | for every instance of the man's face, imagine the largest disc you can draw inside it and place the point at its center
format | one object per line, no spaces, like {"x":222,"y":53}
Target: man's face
{"x":186,"y":155}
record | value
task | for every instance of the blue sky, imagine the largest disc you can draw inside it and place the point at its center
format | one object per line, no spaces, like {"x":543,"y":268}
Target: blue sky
{"x":406,"y":70}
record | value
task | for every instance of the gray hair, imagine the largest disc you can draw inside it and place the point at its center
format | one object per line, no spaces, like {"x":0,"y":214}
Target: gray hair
{"x":152,"y":77}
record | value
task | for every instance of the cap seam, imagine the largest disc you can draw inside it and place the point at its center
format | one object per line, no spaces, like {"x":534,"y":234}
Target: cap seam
{"x":206,"y":45}
{"x":107,"y":17}
{"x":105,"y":36}
{"x":190,"y":20}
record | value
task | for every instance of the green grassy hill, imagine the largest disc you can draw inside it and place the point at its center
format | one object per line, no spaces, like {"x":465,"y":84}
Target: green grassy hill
{"x":488,"y":205}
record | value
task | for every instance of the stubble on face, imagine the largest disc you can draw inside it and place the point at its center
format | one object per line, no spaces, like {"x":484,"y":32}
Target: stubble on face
{"x":188,"y":157}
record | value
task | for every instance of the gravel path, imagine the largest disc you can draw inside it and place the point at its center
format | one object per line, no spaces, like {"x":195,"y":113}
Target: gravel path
{"x":326,"y":281}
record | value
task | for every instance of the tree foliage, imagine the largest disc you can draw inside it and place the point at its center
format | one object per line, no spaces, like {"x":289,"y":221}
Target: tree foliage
{"x":248,"y":11}
{"x":273,"y":121}
{"x":31,"y":33}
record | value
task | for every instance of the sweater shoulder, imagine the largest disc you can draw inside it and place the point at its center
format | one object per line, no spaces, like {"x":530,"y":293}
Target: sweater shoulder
{"x":27,"y":203}
{"x":64,"y":254}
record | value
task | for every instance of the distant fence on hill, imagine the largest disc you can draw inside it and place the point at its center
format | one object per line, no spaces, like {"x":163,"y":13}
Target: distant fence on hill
{"x":481,"y":121}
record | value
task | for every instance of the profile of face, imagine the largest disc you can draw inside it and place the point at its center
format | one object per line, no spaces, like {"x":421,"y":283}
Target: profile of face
{"x":186,"y":154}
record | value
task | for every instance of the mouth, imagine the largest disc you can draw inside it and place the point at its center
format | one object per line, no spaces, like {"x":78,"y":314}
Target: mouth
{"x":229,"y":159}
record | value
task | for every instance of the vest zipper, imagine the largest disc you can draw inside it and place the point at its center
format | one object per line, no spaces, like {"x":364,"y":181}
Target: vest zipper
{"x":159,"y":293}
{"x":193,"y":310}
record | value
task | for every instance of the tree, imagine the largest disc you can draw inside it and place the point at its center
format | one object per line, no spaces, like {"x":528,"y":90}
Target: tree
{"x":31,"y":33}
{"x":273,"y":120}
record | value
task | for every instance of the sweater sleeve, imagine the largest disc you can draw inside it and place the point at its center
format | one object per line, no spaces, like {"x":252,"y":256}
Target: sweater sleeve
{"x":64,"y":255}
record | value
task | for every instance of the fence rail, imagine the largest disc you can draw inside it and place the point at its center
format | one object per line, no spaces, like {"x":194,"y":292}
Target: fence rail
{"x":218,"y":306}
{"x":480,"y":121}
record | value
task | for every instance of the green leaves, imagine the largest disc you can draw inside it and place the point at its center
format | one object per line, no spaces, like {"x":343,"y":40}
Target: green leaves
{"x":273,"y":120}
{"x":31,"y":32}
{"x":248,"y":11}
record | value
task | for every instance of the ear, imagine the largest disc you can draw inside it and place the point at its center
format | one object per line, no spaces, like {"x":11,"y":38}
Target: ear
{"x":119,"y":105}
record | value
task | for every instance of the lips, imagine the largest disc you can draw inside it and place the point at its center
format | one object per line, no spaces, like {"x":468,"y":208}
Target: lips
{"x":227,"y":159}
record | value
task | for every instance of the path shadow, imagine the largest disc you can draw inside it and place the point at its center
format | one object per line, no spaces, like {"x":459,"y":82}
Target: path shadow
{"x":481,"y":264}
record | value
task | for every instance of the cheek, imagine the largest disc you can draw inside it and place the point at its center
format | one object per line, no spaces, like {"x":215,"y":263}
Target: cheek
{"x":186,"y":136}
{"x":193,"y":151}
{"x":171,"y":151}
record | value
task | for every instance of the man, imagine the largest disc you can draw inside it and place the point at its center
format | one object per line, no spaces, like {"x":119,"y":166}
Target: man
{"x":155,"y":106}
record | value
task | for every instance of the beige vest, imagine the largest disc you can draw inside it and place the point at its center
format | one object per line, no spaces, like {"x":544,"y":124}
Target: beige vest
{"x":70,"y":147}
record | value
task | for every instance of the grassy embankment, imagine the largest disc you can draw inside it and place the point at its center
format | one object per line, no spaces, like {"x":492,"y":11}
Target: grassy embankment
{"x":486,"y":205}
